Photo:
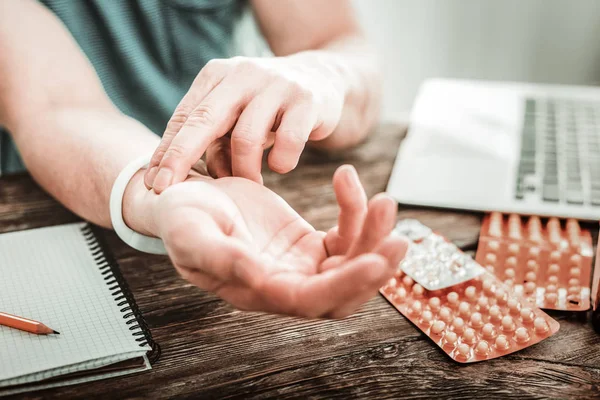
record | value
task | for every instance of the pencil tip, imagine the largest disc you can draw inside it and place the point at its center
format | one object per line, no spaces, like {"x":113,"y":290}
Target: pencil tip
{"x":58,"y":333}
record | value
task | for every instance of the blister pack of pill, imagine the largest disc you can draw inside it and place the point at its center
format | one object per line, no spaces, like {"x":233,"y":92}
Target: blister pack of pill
{"x":548,"y":262}
{"x":474,"y":320}
{"x":433,"y":261}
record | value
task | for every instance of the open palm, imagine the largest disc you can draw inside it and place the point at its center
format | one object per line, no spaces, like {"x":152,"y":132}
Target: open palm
{"x":240,"y":240}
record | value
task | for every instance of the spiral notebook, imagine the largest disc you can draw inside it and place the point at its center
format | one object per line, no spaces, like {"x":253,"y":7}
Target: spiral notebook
{"x":64,"y":277}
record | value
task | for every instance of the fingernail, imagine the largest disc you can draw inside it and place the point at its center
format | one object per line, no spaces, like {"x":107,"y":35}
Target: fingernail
{"x":352,"y":177}
{"x":163,"y":180}
{"x":151,"y":175}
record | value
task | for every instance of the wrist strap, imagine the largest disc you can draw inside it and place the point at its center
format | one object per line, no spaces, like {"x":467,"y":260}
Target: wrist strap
{"x":136,"y":240}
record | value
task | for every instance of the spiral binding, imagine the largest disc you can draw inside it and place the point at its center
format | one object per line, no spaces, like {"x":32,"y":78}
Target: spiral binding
{"x":120,"y":290}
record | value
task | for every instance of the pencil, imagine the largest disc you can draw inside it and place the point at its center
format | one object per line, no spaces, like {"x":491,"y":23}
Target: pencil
{"x":25,"y":324}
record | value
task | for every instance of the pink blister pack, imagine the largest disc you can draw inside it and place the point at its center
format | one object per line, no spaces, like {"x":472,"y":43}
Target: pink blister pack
{"x":548,"y":263}
{"x":475,"y":320}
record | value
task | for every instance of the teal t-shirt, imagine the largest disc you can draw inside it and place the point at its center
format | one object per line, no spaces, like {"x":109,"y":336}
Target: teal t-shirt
{"x":146,"y":52}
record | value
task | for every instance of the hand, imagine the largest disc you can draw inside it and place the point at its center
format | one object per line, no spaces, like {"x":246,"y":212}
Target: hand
{"x":240,"y":240}
{"x":284,"y":101}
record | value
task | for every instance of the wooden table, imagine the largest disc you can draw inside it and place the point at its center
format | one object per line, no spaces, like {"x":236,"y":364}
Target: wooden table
{"x":211,"y":350}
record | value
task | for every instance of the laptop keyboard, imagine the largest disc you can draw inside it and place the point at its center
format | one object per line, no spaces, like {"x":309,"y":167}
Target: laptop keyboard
{"x":560,"y":152}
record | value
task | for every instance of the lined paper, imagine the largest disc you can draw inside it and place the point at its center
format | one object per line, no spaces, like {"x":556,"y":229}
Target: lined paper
{"x":49,"y":275}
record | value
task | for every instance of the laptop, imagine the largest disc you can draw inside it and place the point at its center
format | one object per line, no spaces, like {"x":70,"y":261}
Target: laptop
{"x":510,"y":147}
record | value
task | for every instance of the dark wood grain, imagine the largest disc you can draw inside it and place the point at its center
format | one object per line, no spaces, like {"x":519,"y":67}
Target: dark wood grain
{"x":211,"y":350}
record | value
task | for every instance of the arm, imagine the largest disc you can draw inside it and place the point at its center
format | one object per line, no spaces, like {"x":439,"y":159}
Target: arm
{"x":72,"y":139}
{"x":231,"y":236}
{"x":327,"y":33}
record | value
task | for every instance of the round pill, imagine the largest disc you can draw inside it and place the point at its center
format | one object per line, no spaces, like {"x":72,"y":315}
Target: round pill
{"x":468,"y":335}
{"x":393,"y":282}
{"x":416,"y":308}
{"x":511,"y":262}
{"x":553,"y":269}
{"x":529,"y":287}
{"x":490,"y":258}
{"x":573,"y":282}
{"x":470,"y":292}
{"x":493,"y":245}
{"x":407,"y":281}
{"x":507,"y":323}
{"x":553,"y":279}
{"x":434,"y":303}
{"x":488,"y":330}
{"x":534,"y":252}
{"x":522,"y":335}
{"x":551,"y":298}
{"x":513,"y":305}
{"x":495,"y":314}
{"x":573,"y":290}
{"x":502,"y":342}
{"x":464,"y":308}
{"x":490,"y":268}
{"x":426,"y":318}
{"x":488,"y":286}
{"x":463,"y":350}
{"x":540,"y":325}
{"x":482,"y":348}
{"x":450,"y":338}
{"x":555,"y":255}
{"x":575,"y":259}
{"x":532,"y":265}
{"x":510,"y":273}
{"x":551,"y":288}
{"x":575,"y":272}
{"x":458,"y":324}
{"x":501,"y":296}
{"x":482,"y":303}
{"x":438,"y":327}
{"x":445,"y":314}
{"x":452,"y":298}
{"x":513,"y":248}
{"x":400,"y":294}
{"x":530,"y":276}
{"x":476,"y":320}
{"x":526,"y":314}
{"x":418,"y":290}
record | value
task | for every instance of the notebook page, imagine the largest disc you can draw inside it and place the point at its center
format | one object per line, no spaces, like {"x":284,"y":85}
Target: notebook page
{"x":49,"y":275}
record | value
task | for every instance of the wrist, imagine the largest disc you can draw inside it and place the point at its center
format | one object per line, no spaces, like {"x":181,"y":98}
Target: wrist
{"x":138,"y":206}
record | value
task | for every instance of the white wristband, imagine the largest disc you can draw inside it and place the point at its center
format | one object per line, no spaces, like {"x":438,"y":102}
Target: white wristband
{"x":136,"y":240}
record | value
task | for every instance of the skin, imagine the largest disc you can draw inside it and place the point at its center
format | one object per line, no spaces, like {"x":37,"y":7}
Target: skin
{"x":263,"y":255}
{"x":319,"y":89}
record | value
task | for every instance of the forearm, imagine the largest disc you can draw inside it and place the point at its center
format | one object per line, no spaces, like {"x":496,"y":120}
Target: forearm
{"x":353,"y":65}
{"x":73,"y":140}
{"x":76,"y":154}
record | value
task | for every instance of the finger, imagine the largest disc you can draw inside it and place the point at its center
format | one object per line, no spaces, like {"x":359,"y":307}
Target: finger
{"x":251,"y":132}
{"x":316,"y":295}
{"x":218,"y":158}
{"x":208,"y":78}
{"x":380,"y":220}
{"x":296,"y":125}
{"x":393,"y":248}
{"x":211,"y":119}
{"x":332,"y":262}
{"x":352,"y":200}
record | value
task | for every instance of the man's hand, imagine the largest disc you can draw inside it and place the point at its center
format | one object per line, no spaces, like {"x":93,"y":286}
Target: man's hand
{"x":288,"y":100}
{"x":240,"y":240}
